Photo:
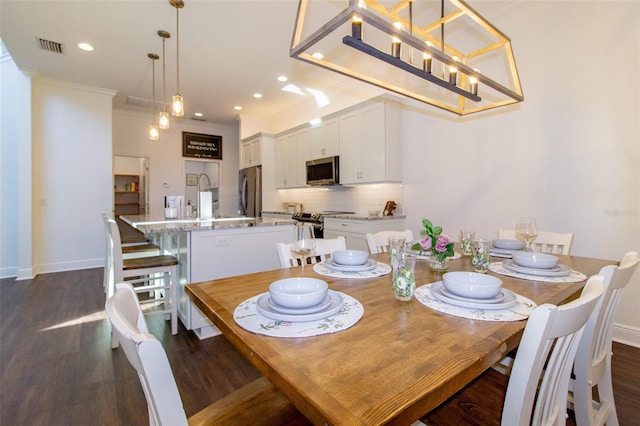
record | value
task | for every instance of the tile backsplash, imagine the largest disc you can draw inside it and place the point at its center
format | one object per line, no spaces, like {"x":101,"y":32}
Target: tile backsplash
{"x":359,"y":199}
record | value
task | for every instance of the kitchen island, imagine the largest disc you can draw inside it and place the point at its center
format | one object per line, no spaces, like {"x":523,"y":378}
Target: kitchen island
{"x":214,"y":248}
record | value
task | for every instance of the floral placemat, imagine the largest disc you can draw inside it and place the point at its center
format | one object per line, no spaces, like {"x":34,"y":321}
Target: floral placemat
{"x":519,"y":312}
{"x":246,"y":316}
{"x":380,"y":270}
{"x":573,"y":277}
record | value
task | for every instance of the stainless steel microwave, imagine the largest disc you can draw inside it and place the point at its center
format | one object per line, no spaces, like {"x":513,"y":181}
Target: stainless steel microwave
{"x":323,"y":171}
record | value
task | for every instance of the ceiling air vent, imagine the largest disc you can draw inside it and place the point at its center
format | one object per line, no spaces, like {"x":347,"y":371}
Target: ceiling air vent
{"x":50,"y":46}
{"x":143,"y":102}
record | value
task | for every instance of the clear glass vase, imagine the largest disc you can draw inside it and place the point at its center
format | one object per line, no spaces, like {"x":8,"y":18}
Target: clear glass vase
{"x":438,"y":265}
{"x":403,"y":278}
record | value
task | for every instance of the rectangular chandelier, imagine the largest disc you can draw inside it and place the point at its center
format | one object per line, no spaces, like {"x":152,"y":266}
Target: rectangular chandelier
{"x":439,"y":52}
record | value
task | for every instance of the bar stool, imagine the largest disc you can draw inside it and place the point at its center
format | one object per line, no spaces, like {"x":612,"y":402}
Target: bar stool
{"x":129,"y":250}
{"x":157,"y":274}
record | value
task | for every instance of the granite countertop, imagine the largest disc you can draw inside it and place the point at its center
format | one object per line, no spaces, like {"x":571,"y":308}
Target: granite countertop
{"x":352,"y":216}
{"x":362,"y":217}
{"x":149,"y":224}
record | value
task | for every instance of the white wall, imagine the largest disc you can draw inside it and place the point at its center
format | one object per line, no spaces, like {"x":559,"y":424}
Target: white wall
{"x":166,"y":164}
{"x":9,"y":169}
{"x":569,"y":155}
{"x":72,"y":184}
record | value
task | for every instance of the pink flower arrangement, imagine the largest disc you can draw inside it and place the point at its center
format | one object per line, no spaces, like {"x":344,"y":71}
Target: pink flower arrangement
{"x":435,"y":241}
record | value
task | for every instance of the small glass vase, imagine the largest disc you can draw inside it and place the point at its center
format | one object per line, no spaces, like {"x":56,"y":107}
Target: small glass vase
{"x":403,"y":278}
{"x":438,"y":265}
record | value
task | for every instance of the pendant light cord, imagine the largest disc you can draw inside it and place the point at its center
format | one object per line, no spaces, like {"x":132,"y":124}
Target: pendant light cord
{"x":178,"y":47}
{"x":164,"y":81}
{"x":153,"y":84}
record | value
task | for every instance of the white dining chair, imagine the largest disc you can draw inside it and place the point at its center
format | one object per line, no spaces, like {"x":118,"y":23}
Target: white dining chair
{"x":592,"y":367}
{"x":545,"y":242}
{"x":157,"y":275}
{"x":379,"y":241}
{"x":537,"y":389}
{"x":258,"y":403}
{"x":324,"y":248}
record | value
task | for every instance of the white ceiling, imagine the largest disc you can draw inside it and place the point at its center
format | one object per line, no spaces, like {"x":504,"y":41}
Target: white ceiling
{"x":229,"y":49}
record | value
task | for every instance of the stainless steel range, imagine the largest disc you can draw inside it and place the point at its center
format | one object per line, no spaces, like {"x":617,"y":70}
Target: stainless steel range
{"x":316,"y":219}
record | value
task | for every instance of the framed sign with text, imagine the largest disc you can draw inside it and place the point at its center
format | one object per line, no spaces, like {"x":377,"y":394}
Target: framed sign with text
{"x":198,"y":145}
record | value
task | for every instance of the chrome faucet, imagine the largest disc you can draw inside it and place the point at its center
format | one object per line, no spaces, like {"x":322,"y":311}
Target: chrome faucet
{"x":200,"y":176}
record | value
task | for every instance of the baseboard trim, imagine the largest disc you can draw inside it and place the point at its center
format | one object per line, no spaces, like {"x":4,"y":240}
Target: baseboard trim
{"x":627,"y":335}
{"x":48,"y":268}
{"x":9,"y":272}
{"x":26,"y":274}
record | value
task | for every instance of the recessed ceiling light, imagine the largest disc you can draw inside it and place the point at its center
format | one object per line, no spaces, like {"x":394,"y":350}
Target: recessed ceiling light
{"x":237,"y":107}
{"x":318,"y":55}
{"x":257,"y":95}
{"x":198,"y":114}
{"x":282,"y":78}
{"x":85,"y":46}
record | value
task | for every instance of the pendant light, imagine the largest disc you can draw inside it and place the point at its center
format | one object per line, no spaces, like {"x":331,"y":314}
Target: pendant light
{"x":178,"y":102}
{"x":163,"y":117}
{"x":154,"y":133}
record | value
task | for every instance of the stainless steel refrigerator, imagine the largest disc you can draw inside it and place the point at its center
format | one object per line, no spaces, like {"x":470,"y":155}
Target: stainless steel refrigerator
{"x":250,"y":197}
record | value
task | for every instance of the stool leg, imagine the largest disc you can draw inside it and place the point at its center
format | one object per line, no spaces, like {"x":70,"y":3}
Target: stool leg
{"x":172,"y":296}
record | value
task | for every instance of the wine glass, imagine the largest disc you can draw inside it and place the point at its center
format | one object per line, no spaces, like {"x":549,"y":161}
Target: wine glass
{"x":527,"y":231}
{"x":305,"y":244}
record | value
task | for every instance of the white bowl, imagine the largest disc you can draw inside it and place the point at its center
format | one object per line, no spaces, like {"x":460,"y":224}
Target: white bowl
{"x":374,"y":213}
{"x":350,"y":257}
{"x":300,"y":292}
{"x":508,"y":244}
{"x":535,"y":260}
{"x":472,"y":284}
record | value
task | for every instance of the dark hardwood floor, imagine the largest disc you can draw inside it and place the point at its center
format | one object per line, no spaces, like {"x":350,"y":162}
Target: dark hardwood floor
{"x":57,"y":367}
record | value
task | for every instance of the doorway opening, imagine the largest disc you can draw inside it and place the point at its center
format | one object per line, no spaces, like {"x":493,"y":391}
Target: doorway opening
{"x":131,"y":185}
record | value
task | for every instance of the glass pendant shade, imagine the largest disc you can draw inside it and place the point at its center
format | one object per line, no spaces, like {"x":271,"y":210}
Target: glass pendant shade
{"x":154,"y":133}
{"x":177,"y":106}
{"x":163,"y":120}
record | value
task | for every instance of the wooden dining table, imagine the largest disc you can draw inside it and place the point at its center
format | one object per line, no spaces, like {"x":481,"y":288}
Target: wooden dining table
{"x":398,"y":362}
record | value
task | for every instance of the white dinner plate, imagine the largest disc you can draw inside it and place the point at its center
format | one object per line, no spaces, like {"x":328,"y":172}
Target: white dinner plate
{"x":333,"y":265}
{"x":264,"y":309}
{"x":508,"y":244}
{"x":299,"y":311}
{"x":558,"y":271}
{"x":502,"y":252}
{"x":499,"y":298}
{"x":509,"y":301}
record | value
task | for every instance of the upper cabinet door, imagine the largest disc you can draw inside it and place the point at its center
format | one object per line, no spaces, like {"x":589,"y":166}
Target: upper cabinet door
{"x":292,"y":150}
{"x":351,"y":147}
{"x":324,"y":140}
{"x":371,"y":144}
{"x":251,"y":152}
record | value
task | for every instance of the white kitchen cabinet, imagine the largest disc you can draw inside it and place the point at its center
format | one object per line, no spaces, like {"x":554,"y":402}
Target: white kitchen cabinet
{"x":324,"y":140}
{"x":371,"y":144}
{"x":224,"y":253}
{"x":251,"y":150}
{"x":355,"y":230}
{"x":292,"y":150}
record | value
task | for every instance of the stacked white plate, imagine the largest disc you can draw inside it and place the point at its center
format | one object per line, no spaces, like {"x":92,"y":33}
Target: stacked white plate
{"x":505,"y":248}
{"x":293,"y":306}
{"x":350,"y":261}
{"x":537,"y":264}
{"x":461,"y":289}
